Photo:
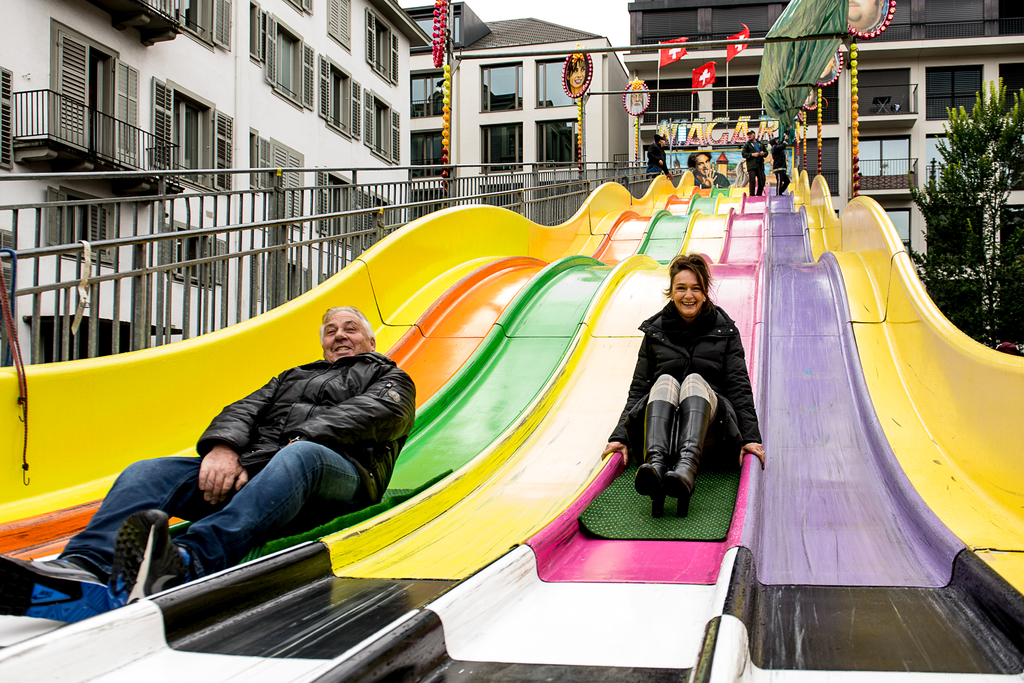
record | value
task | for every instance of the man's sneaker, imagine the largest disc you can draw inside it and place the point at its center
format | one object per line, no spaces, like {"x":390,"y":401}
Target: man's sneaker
{"x":52,"y":589}
{"x":145,"y":560}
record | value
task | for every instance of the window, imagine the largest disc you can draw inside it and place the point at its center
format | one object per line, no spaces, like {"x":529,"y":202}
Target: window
{"x":736,"y":103}
{"x":829,"y":164}
{"x":550,"y":92}
{"x":901,"y":221}
{"x":339,"y":22}
{"x":381,"y":47}
{"x":425,"y":150}
{"x":6,"y":114}
{"x":199,"y":135}
{"x":502,"y":88}
{"x":333,"y":195}
{"x":257,"y":32}
{"x":1013,"y":79}
{"x":381,"y":127}
{"x":282,"y":156}
{"x":302,"y":6}
{"x":209,"y":20}
{"x":933,"y":163}
{"x":259,"y":157}
{"x":69,"y":224}
{"x":339,"y":98}
{"x":556,"y":141}
{"x":502,"y":145}
{"x":681,"y":104}
{"x":289,"y":63}
{"x":199,"y":247}
{"x":885,"y":163}
{"x":427,"y":96}
{"x":951,"y":88}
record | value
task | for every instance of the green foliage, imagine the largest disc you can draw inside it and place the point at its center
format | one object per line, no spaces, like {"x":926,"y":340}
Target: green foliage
{"x":974,"y":267}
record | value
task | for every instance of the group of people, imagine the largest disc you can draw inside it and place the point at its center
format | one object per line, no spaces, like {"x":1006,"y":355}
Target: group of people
{"x":321,"y":439}
{"x":706,"y":176}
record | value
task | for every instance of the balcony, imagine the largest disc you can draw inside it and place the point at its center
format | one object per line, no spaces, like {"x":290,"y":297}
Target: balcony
{"x":155,"y":20}
{"x":51,"y":127}
{"x":1010,"y":26}
{"x":887,"y":176}
{"x":887,"y":106}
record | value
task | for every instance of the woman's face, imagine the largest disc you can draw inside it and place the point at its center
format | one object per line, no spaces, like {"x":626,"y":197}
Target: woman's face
{"x":863,"y":15}
{"x":578,"y":75}
{"x":687,"y":295}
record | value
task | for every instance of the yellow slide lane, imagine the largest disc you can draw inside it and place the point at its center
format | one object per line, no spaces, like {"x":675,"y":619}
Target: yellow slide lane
{"x":949,"y":406}
{"x":89,"y":419}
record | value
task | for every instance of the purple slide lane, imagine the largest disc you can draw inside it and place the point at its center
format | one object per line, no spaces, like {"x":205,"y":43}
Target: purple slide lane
{"x":833,"y":507}
{"x":564,"y":554}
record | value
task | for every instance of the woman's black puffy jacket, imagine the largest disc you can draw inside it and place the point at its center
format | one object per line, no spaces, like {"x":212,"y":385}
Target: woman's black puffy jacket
{"x":361,"y":406}
{"x":715,"y":352}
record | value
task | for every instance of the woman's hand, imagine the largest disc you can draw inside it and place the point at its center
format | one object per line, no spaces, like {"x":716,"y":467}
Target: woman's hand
{"x":616,"y":447}
{"x":751,"y":448}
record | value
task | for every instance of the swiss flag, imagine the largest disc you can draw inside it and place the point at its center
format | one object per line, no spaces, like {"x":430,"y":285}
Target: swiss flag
{"x":672,"y":54}
{"x":703,"y":76}
{"x":733,"y":50}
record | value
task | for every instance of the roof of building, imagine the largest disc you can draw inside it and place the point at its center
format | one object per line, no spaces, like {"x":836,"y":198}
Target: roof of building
{"x":527,"y":32}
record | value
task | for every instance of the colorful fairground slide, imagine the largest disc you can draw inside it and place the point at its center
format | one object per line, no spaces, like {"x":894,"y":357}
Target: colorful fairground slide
{"x":884,"y":539}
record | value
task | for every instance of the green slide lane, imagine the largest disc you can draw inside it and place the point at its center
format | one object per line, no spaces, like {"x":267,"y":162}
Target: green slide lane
{"x":511,"y":366}
{"x":664,"y":236}
{"x":705,"y":204}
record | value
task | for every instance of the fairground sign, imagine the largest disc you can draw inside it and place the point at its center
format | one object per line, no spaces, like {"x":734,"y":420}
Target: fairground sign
{"x":717,"y":132}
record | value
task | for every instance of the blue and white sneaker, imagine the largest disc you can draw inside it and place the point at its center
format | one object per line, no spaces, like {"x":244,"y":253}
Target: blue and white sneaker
{"x":145,"y":560}
{"x":51,"y":589}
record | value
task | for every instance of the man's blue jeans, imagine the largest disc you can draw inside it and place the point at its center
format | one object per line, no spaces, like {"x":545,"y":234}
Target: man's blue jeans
{"x":301,"y":476}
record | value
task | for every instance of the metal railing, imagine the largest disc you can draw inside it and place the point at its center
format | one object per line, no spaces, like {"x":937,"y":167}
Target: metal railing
{"x":655,"y":39}
{"x":887,"y":100}
{"x":887,"y":174}
{"x":176,"y":264}
{"x":47,"y":117}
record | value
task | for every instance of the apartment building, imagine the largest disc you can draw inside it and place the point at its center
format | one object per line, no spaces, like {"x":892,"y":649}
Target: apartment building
{"x":510,"y":109}
{"x":935,"y":54}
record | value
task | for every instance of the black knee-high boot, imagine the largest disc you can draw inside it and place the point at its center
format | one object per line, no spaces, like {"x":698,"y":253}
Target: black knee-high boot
{"x":692,"y":427}
{"x":657,"y":450}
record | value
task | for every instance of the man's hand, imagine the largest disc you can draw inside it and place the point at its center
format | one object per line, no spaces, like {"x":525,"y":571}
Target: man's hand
{"x":616,"y":447}
{"x":219,"y":472}
{"x":753,"y":448}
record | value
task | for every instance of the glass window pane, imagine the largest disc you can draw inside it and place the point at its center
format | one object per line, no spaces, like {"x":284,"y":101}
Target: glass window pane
{"x":503,"y":88}
{"x":896,"y":149}
{"x":549,"y":80}
{"x":901,"y":221}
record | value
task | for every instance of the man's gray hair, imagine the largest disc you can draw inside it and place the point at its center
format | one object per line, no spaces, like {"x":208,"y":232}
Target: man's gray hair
{"x":330,"y":312}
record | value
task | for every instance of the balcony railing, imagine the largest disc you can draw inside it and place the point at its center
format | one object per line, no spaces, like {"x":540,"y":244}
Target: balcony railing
{"x":887,"y":174}
{"x":155,"y":20}
{"x":655,"y":39}
{"x":45,"y":117}
{"x":887,"y":100}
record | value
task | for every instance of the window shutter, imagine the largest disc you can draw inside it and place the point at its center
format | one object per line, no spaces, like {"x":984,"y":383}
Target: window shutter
{"x":338,"y":23}
{"x":222,"y":23}
{"x":264,"y":159}
{"x":127,"y":89}
{"x":325,"y":88}
{"x":100,"y":229}
{"x":263,"y":35}
{"x":224,"y":157}
{"x":308,"y":76}
{"x":394,"y":58}
{"x":7,"y":242}
{"x":321,"y":192}
{"x":368,"y":118}
{"x":396,"y":122}
{"x":163,"y":99}
{"x":220,"y":267}
{"x":307,"y":5}
{"x":270,"y":50}
{"x":6,"y":119}
{"x":371,"y":38}
{"x":71,"y":83}
{"x":355,"y":110}
{"x":55,"y":217}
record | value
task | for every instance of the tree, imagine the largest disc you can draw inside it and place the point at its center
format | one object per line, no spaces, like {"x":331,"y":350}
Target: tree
{"x":974,"y":267}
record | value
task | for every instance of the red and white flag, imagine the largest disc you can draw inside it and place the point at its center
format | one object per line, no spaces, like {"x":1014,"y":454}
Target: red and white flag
{"x":672,"y":54}
{"x":733,"y":50}
{"x":703,"y":76}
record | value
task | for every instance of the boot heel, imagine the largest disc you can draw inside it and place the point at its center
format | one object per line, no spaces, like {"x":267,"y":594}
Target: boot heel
{"x":658,"y":506}
{"x":683,"y":504}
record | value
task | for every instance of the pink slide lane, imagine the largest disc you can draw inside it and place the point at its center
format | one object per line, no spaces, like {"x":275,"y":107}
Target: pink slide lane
{"x":565,"y":554}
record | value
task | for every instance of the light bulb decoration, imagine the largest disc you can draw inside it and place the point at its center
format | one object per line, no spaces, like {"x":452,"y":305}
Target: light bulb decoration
{"x":446,"y":120}
{"x":577,"y":73}
{"x":440,"y":34}
{"x":855,"y":123}
{"x":866,"y":27}
{"x":636,"y":98}
{"x":579,"y":131}
{"x":819,"y":130}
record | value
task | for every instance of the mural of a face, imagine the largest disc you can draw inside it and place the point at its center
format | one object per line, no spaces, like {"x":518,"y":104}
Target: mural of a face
{"x":577,"y":77}
{"x":866,"y":15}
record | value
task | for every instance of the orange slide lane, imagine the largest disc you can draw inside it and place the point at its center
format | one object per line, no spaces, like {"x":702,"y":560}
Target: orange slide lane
{"x":623,"y":239}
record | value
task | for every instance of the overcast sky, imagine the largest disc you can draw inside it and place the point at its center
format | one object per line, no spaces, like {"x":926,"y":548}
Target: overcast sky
{"x":608,"y":18}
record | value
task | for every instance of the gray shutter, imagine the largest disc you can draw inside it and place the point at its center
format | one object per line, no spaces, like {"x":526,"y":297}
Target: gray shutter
{"x":56,"y":216}
{"x":223,"y":153}
{"x":321,"y":192}
{"x":368,"y":118}
{"x":396,"y":122}
{"x":371,"y":38}
{"x":263,"y":36}
{"x":355,"y":110}
{"x":270,"y":50}
{"x":6,"y":119}
{"x":338,"y":22}
{"x":265,"y":160}
{"x":127,"y":90}
{"x":222,"y":23}
{"x":71,"y":83}
{"x":221,"y":266}
{"x":163,"y":101}
{"x":325,"y":89}
{"x":100,"y":228}
{"x":394,"y":58}
{"x":307,"y":5}
{"x":308,"y":76}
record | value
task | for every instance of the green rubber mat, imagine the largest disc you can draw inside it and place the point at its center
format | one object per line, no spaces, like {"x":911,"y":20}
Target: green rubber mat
{"x":620,"y":513}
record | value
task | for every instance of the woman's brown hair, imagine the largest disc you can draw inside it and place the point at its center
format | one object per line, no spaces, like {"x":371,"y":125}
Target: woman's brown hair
{"x":696,"y":264}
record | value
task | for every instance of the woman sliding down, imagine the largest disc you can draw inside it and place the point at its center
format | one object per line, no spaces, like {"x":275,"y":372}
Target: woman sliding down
{"x":692,"y":387}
